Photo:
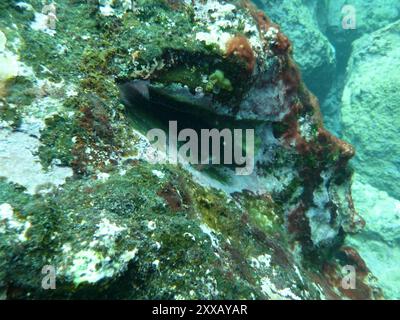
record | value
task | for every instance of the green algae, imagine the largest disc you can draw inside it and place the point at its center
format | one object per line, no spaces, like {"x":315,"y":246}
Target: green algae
{"x":120,"y":199}
{"x":175,"y":258}
{"x":218,"y":81}
{"x":57,"y":140}
{"x":20,"y":91}
{"x":10,"y":115}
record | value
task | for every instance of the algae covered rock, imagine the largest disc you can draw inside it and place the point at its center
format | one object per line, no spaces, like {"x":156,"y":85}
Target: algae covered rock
{"x":312,"y":50}
{"x":120,"y":225}
{"x":125,"y":239}
{"x":370,"y":113}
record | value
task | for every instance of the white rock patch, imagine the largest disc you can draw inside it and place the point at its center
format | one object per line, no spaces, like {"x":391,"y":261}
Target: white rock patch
{"x":9,"y":64}
{"x":9,"y":222}
{"x":20,"y":164}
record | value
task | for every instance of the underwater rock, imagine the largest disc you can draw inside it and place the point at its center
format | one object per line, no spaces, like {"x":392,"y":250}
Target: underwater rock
{"x":273,"y":92}
{"x":370,"y":113}
{"x":125,"y":241}
{"x":367,"y":16}
{"x":9,"y":67}
{"x":378,"y":243}
{"x":124,"y":227}
{"x":312,"y":50}
{"x":370,"y":121}
{"x":20,"y":165}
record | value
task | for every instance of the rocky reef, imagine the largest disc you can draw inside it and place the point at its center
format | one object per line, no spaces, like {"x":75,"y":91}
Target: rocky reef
{"x":83,"y":83}
{"x":358,"y":93}
{"x":313,"y":52}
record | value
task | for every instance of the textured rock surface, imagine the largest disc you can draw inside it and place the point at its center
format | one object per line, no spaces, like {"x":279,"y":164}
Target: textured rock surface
{"x":312,"y":50}
{"x":8,"y":63}
{"x":379,"y":242}
{"x":370,"y":110}
{"x":370,"y":16}
{"x":122,"y":227}
{"x":370,"y":119}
